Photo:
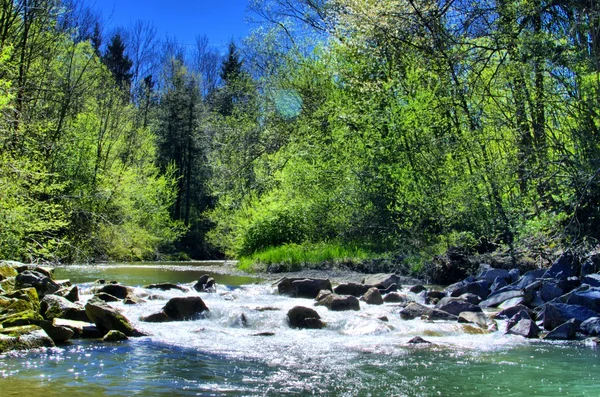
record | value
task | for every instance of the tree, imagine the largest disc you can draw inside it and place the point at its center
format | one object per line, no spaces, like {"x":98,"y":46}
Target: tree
{"x":118,"y":62}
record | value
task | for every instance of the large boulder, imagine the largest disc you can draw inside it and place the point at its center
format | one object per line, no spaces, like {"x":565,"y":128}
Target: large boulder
{"x":302,"y":287}
{"x":381,"y":281}
{"x":523,"y":314}
{"x":589,"y":299}
{"x":479,"y":288}
{"x":116,"y":290}
{"x":23,"y":338}
{"x":304,"y":317}
{"x":591,"y":326}
{"x":70,"y":293}
{"x":550,"y":290}
{"x":27,"y":297}
{"x":353,"y":289}
{"x":555,"y":314}
{"x":58,"y":333}
{"x":509,"y":312}
{"x":491,"y":274}
{"x":335,"y":302}
{"x":592,"y":280}
{"x":184,"y":308}
{"x":565,"y":331}
{"x":564,"y":267}
{"x":7,"y":271}
{"x":108,"y":318}
{"x":456,"y":307}
{"x":528,"y":278}
{"x":395,"y":297}
{"x":373,"y":297}
{"x":498,"y":298}
{"x":80,"y":329}
{"x":416,"y":310}
{"x":526,"y":328}
{"x":43,"y":284}
{"x":54,"y":306}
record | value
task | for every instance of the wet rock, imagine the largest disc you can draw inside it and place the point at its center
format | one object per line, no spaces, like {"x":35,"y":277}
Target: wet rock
{"x":385,"y":319}
{"x":22,"y":318}
{"x":564,"y":267}
{"x":381,"y":281}
{"x":395,"y":297}
{"x":473,"y":318}
{"x":133,"y":299}
{"x":28,"y":298}
{"x":160,"y":317}
{"x":417,"y":340}
{"x":436,"y":294}
{"x":185,"y":308}
{"x":415,"y":310}
{"x":589,"y":266}
{"x":479,"y":288}
{"x":528,"y":278}
{"x":491,"y":274}
{"x":498,"y":283}
{"x":511,"y":311}
{"x":54,"y":306}
{"x":205,"y":284}
{"x":116,"y":290}
{"x":103,"y":296}
{"x":373,"y":297}
{"x":565,"y":331}
{"x":452,"y":287}
{"x":304,"y":317}
{"x":498,"y":298}
{"x":69,"y":293}
{"x":456,"y":307}
{"x":302,"y":287}
{"x":108,"y":318}
{"x":353,"y":289}
{"x":589,"y":299}
{"x":165,"y":287}
{"x":549,"y":291}
{"x":591,"y":326}
{"x":415,"y":289}
{"x":43,"y":284}
{"x":7,"y":271}
{"x":264,"y":334}
{"x":81,"y":329}
{"x":523,"y":314}
{"x":23,"y":338}
{"x":390,"y":289}
{"x":471,"y":298}
{"x":114,"y":336}
{"x":526,"y":328}
{"x":58,"y":333}
{"x":555,"y":314}
{"x":514,"y":274}
{"x":338,"y":303}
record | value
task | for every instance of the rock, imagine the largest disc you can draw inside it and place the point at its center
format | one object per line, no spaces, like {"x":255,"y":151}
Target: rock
{"x":474,"y":318}
{"x":452,"y":287}
{"x":457,"y":307}
{"x":381,"y":281}
{"x":564,"y":267}
{"x":302,"y":287}
{"x":81,"y":329}
{"x":108,"y":318}
{"x":491,"y":274}
{"x":479,"y":288}
{"x":133,"y":299}
{"x":54,"y":306}
{"x":205,"y":284}
{"x":526,"y":328}
{"x":496,"y":299}
{"x":28,"y":295}
{"x":569,"y":284}
{"x":471,"y":298}
{"x":373,"y":297}
{"x":511,"y":311}
{"x":103,"y":296}
{"x":385,"y":319}
{"x":528,"y":278}
{"x":555,"y":314}
{"x":589,"y":266}
{"x":57,"y":333}
{"x":395,"y":297}
{"x":498,"y":283}
{"x":589,"y":299}
{"x":69,"y":293}
{"x":165,"y":287}
{"x":414,"y":310}
{"x":7,"y":271}
{"x":549,"y":291}
{"x":304,"y":317}
{"x":390,"y":289}
{"x":523,"y":314}
{"x":160,"y":317}
{"x":417,"y":340}
{"x":45,"y":270}
{"x":592,"y":280}
{"x":415,"y":289}
{"x":114,"y":336}
{"x":436,"y":294}
{"x":43,"y":284}
{"x":22,"y":318}
{"x":514,"y":275}
{"x":9,"y":284}
{"x":338,"y":303}
{"x":353,"y":289}
{"x":591,"y":326}
{"x":184,"y":308}
{"x":565,"y":331}
{"x":116,"y":290}
{"x":264,"y":334}
{"x":23,"y":338}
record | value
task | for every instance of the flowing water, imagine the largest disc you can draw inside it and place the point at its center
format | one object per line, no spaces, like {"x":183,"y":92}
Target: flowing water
{"x":357,"y":354}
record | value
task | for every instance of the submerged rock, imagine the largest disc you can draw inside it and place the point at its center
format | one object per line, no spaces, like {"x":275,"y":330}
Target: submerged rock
{"x":114,"y":336}
{"x":304,"y":317}
{"x":165,"y":287}
{"x":417,"y":340}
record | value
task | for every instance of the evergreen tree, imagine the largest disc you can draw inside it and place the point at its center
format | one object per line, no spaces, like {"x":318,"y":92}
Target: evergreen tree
{"x":232,"y":77}
{"x":118,"y":62}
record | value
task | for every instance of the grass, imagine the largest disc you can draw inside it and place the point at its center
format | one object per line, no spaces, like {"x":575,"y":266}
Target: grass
{"x":291,"y":257}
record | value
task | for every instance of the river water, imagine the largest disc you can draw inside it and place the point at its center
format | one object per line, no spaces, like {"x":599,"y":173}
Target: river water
{"x":357,"y":354}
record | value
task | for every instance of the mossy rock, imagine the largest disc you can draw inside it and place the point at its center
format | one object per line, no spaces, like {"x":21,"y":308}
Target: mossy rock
{"x":24,"y":318}
{"x":27,"y":294}
{"x":12,"y":306}
{"x":23,"y":338}
{"x":7,"y":271}
{"x":8,"y":285}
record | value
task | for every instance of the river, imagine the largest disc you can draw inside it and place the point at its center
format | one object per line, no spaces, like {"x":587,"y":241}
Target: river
{"x":357,"y":354}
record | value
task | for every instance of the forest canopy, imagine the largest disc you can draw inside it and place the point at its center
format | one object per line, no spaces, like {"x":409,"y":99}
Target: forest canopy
{"x":394,"y":126}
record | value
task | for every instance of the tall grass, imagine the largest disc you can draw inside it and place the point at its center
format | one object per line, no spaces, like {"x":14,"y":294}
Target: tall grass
{"x":291,"y":257}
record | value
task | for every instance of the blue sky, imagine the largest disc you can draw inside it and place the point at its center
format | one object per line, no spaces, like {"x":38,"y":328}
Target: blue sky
{"x":220,"y":20}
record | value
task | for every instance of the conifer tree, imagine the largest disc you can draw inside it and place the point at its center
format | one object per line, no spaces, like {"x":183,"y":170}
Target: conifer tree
{"x":118,"y":62}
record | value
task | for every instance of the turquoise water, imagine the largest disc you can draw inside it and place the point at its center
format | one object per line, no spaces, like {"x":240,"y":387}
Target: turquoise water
{"x":356,"y":355}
